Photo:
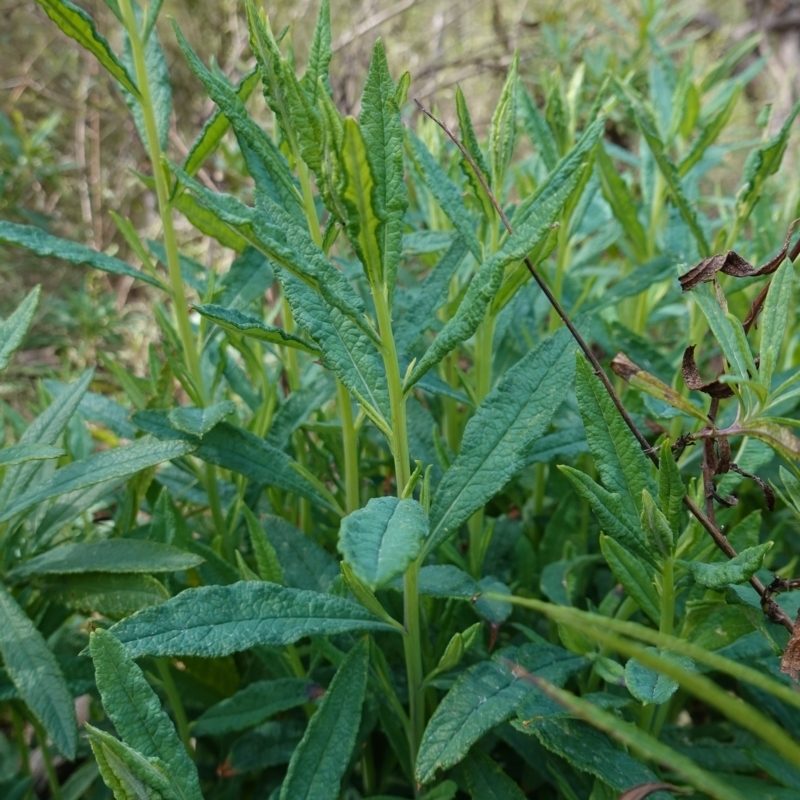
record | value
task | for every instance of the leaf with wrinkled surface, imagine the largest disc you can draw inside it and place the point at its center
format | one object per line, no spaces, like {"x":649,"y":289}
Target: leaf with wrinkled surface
{"x":650,"y":686}
{"x":36,"y":675}
{"x":109,"y":464}
{"x":199,"y":421}
{"x":736,"y":570}
{"x":219,"y":620}
{"x":22,"y":453}
{"x":14,"y":328}
{"x":111,"y":555}
{"x":482,"y":697}
{"x":486,"y":781}
{"x":136,"y":712}
{"x":380,"y":540}
{"x":113,"y":595}
{"x":319,"y":761}
{"x":500,"y":435}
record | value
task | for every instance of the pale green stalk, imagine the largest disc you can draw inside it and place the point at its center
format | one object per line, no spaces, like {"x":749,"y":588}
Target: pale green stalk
{"x":49,"y":768}
{"x":178,"y":711}
{"x":350,"y":444}
{"x":179,"y":302}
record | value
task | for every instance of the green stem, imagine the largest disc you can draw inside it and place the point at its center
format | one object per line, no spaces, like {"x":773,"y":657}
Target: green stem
{"x":412,"y":642}
{"x":350,"y":444}
{"x":52,"y":776}
{"x":181,"y":722}
{"x":19,"y":735}
{"x":667,"y":598}
{"x":179,"y":302}
{"x":562,"y":261}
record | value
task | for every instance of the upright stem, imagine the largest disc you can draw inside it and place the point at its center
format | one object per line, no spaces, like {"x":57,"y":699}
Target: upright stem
{"x":174,"y":697}
{"x":49,"y":768}
{"x":170,"y":241}
{"x":402,"y":467}
{"x":350,"y":444}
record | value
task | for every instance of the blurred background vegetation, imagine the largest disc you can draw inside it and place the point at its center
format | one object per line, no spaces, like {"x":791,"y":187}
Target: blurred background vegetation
{"x":69,"y":152}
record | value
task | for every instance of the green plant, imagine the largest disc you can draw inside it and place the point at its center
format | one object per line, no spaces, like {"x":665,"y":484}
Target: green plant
{"x":323,"y":417}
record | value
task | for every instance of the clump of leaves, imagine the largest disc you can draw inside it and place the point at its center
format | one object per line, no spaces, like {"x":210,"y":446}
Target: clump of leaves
{"x":387,"y":371}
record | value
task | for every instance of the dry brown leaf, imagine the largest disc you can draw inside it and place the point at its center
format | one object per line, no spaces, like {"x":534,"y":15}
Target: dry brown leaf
{"x":691,"y":375}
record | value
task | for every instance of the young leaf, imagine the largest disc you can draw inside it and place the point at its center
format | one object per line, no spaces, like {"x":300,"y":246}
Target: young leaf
{"x":483,"y":696}
{"x":636,"y":575}
{"x":35,"y":673}
{"x":98,"y":468}
{"x":367,"y":598}
{"x":219,"y":620}
{"x":78,"y":25}
{"x":199,"y":421}
{"x":112,"y":555}
{"x":223,"y":94}
{"x":137,"y":715}
{"x":447,"y":194}
{"x":656,"y":527}
{"x":43,"y":244}
{"x":113,"y":595}
{"x":737,"y":570}
{"x":383,"y":136}
{"x":670,"y":488}
{"x":128,"y":774}
{"x":643,"y":117}
{"x":486,"y":781}
{"x":761,"y":163}
{"x":709,"y":133}
{"x":358,"y":191}
{"x":319,"y":56}
{"x":217,"y":126}
{"x":380,"y":540}
{"x":649,"y":686}
{"x":502,"y":130}
{"x":470,"y":141}
{"x":773,"y":321}
{"x":487,"y":280}
{"x":269,"y":567}
{"x":319,"y":761}
{"x":501,"y":434}
{"x":253,"y":705}
{"x":620,"y":462}
{"x":537,"y":128}
{"x":13,"y":329}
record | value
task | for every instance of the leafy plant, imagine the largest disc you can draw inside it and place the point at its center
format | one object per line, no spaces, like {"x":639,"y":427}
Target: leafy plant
{"x":386,"y":371}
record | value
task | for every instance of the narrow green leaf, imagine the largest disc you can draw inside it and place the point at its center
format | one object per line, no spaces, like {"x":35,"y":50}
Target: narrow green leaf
{"x":670,"y":488}
{"x":238,"y":323}
{"x":620,"y":462}
{"x":383,"y":136}
{"x":219,"y":620}
{"x":36,"y":675}
{"x":709,"y":133}
{"x":380,"y":540}
{"x":486,"y":781}
{"x":447,"y":194}
{"x":98,"y":468}
{"x":645,"y":121}
{"x":13,"y":329}
{"x":223,"y":94}
{"x":22,"y":453}
{"x":619,"y":197}
{"x":111,"y":555}
{"x":502,"y":129}
{"x":207,"y":222}
{"x":319,"y":56}
{"x":319,"y":761}
{"x":773,"y":321}
{"x":269,"y":567}
{"x":642,"y":743}
{"x":761,"y":163}
{"x":235,"y":448}
{"x":113,"y":595}
{"x":487,"y":280}
{"x":217,"y":126}
{"x":43,"y":244}
{"x":736,"y":570}
{"x":78,"y":25}
{"x":483,"y":696}
{"x":367,"y":598}
{"x":537,"y":128}
{"x":470,"y":141}
{"x":305,"y":564}
{"x":253,"y":705}
{"x":656,"y":527}
{"x":137,"y":715}
{"x":612,"y":512}
{"x":501,"y":434}
{"x":128,"y":774}
{"x":636,"y":575}
{"x":299,"y":408}
{"x":246,"y":281}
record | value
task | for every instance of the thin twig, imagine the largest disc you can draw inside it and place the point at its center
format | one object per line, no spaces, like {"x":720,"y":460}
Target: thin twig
{"x":777,"y":615}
